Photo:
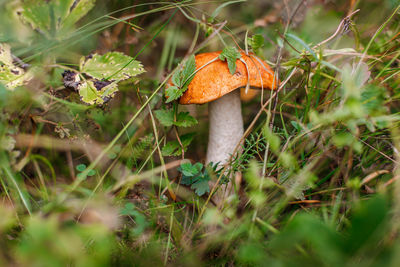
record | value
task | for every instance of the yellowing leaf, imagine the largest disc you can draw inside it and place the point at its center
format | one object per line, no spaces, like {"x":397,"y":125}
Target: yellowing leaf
{"x":11,"y":75}
{"x":97,"y":92}
{"x":111,"y":66}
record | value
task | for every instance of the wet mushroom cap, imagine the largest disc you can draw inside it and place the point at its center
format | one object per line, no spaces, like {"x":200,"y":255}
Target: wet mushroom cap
{"x":214,"y":80}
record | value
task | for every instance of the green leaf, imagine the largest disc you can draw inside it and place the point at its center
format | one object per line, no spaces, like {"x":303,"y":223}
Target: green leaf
{"x":188,"y":71}
{"x":165,"y":117}
{"x":173,"y":148}
{"x":81,"y":167}
{"x":188,"y":169}
{"x":181,"y":79}
{"x":256,"y":42}
{"x":54,"y":18}
{"x":230,"y":54}
{"x":128,"y":209}
{"x":177,"y":79}
{"x":173,"y":93}
{"x":111,"y":66}
{"x":93,"y":92}
{"x":185,"y":120}
{"x":91,"y":173}
{"x":201,"y":186}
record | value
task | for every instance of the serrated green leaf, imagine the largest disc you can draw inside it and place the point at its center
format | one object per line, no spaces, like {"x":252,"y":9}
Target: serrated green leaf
{"x":187,"y":180}
{"x":187,"y":72}
{"x":201,"y":186}
{"x":165,"y":117}
{"x":173,"y":93}
{"x":181,"y":79}
{"x":256,"y":42}
{"x":96,"y":96}
{"x":177,"y":79}
{"x":173,"y":148}
{"x":111,"y":66}
{"x":190,"y":170}
{"x":230,"y":54}
{"x":185,"y":120}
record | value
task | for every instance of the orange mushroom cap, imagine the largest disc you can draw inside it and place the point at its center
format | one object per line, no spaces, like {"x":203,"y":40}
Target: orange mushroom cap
{"x":214,"y":80}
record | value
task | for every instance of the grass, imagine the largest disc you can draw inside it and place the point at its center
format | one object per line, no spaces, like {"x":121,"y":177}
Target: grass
{"x":86,"y":184}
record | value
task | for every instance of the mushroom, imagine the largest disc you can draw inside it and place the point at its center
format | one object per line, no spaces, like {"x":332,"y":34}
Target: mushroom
{"x":215,"y":84}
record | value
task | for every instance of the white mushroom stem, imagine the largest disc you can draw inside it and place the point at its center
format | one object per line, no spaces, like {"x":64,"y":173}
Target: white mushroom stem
{"x":226,"y":127}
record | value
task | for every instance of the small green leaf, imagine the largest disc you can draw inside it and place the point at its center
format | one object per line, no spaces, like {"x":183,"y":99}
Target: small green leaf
{"x":128,"y":209}
{"x":165,"y":117}
{"x":201,"y":186}
{"x":91,"y":173}
{"x":111,"y":66}
{"x":173,"y":148}
{"x":177,"y":79}
{"x":256,"y":42}
{"x":173,"y":93}
{"x":185,"y":120}
{"x":188,"y":169}
{"x":296,"y":125}
{"x":81,"y":167}
{"x":230,"y":54}
{"x":181,"y":79}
